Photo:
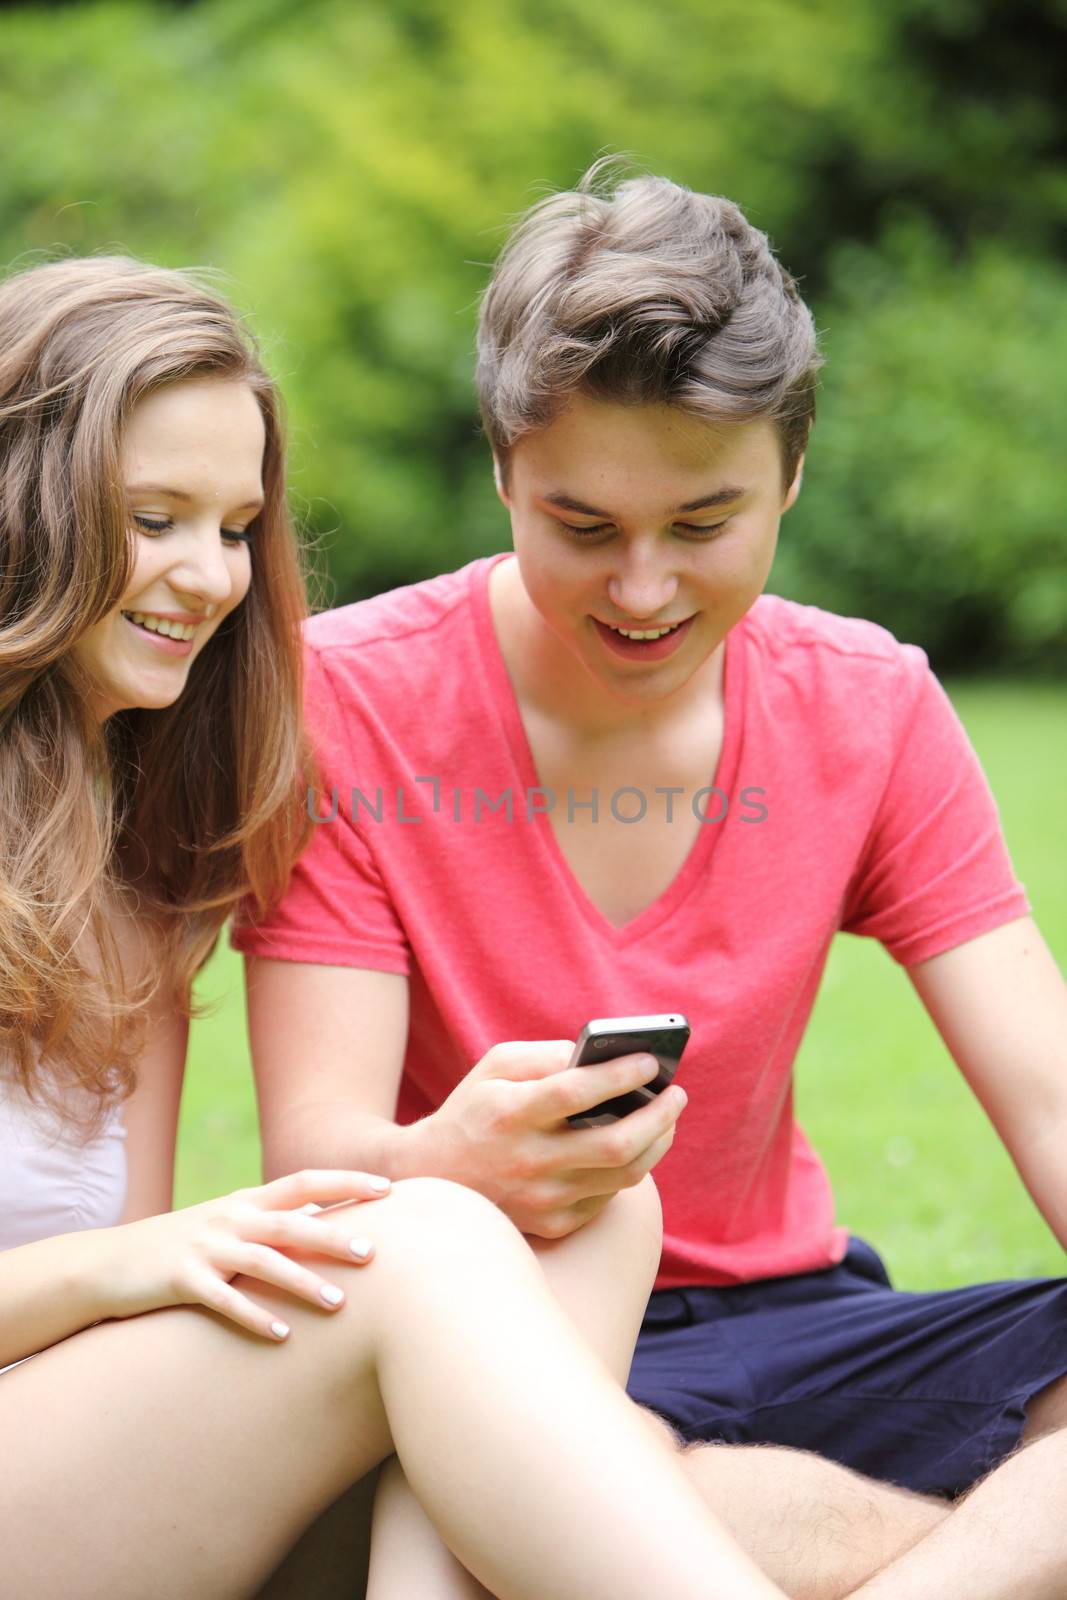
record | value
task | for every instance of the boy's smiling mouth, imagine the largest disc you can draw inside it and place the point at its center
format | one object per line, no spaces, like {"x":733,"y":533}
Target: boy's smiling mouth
{"x":647,"y":644}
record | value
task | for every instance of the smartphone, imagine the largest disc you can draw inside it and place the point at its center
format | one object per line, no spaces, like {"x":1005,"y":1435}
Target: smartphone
{"x":664,"y":1037}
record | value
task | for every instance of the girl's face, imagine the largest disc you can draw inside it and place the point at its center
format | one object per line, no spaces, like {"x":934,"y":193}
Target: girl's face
{"x":192,"y":457}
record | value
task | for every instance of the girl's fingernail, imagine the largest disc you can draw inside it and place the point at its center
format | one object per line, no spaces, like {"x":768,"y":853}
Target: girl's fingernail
{"x":380,"y":1184}
{"x":332,"y":1296}
{"x":280,"y":1330}
{"x":360,"y":1248}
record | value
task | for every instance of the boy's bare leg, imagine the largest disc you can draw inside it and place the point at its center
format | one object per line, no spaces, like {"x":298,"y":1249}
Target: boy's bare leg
{"x":1006,"y":1539}
{"x":1008,"y":1536}
{"x":817,"y":1529}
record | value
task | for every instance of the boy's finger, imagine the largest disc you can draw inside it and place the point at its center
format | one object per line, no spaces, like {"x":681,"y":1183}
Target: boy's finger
{"x":582,"y":1088}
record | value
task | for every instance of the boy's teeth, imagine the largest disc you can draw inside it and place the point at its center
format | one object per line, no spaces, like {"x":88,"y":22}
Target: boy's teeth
{"x":170,"y":630}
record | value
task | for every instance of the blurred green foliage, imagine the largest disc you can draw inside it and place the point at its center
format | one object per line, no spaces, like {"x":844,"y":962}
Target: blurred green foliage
{"x":352,"y":170}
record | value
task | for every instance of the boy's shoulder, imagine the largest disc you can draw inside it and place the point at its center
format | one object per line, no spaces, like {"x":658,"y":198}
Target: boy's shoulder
{"x":399,"y":616}
{"x":832,"y":672}
{"x":783,"y":629}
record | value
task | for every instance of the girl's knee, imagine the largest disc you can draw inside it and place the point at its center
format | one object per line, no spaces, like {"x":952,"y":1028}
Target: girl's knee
{"x":427,"y":1214}
{"x":641,"y":1207}
{"x":631,"y":1228}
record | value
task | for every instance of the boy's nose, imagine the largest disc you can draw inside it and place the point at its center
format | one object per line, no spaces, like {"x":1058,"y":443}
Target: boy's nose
{"x":642,"y":588}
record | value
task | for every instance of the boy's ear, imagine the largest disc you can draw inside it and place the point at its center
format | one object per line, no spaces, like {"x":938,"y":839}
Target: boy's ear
{"x":794,"y":487}
{"x":498,"y":479}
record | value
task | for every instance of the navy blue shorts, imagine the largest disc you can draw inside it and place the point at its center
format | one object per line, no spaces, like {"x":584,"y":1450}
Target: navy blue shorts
{"x":924,"y":1390}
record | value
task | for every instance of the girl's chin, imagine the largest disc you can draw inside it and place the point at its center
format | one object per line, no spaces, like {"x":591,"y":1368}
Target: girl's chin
{"x":142,"y":697}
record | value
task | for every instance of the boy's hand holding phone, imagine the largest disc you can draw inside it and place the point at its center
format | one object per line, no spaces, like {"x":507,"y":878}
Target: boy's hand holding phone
{"x":505,"y":1131}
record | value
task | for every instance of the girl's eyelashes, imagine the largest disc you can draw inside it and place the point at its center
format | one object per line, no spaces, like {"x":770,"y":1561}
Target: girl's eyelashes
{"x":154,"y":527}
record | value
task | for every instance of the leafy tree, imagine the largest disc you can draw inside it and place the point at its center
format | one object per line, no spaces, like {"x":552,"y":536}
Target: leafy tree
{"x":352,"y":170}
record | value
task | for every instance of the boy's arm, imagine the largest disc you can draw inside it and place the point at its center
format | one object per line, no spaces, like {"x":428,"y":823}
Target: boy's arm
{"x":328,"y":1046}
{"x":1000,"y":1004}
{"x":328,"y":1052}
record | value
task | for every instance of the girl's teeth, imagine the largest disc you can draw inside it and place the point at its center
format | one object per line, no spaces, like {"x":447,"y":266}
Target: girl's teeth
{"x":170,"y":630}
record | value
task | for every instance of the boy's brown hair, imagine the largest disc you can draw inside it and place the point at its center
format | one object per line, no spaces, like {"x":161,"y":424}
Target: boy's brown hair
{"x":640,"y":291}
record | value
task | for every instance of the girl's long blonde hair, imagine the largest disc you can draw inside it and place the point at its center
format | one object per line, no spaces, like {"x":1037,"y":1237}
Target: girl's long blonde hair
{"x":177,"y":813}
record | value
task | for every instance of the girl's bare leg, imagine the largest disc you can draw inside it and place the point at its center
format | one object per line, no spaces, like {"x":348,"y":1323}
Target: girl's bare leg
{"x":175,"y":1456}
{"x":602,"y":1276}
{"x":329,"y":1560}
{"x":815,"y":1528}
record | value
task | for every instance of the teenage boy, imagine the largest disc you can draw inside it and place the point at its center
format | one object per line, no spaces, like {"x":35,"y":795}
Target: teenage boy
{"x":609,"y":775}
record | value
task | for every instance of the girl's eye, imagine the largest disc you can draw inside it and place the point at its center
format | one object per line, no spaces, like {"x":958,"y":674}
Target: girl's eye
{"x":153,"y":527}
{"x":149,"y":525}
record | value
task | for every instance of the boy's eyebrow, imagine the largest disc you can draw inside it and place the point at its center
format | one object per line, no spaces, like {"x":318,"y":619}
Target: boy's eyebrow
{"x":180,"y":494}
{"x":705,"y":502}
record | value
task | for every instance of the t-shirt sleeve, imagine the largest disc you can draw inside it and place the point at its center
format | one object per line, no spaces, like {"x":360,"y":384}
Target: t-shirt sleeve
{"x":935,"y":871}
{"x":337,"y":910}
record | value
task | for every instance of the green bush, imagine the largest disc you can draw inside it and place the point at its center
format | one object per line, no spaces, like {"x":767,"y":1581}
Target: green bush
{"x":934,"y":499}
{"x":352,"y":168}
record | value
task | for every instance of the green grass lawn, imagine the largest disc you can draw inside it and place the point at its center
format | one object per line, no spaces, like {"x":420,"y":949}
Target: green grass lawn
{"x":917,"y":1168}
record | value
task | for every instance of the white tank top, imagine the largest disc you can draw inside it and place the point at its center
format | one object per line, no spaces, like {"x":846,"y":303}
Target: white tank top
{"x":49,"y":1182}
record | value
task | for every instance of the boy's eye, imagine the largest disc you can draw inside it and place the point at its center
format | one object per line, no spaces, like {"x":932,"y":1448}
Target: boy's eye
{"x":584,"y":533}
{"x":693,"y":530}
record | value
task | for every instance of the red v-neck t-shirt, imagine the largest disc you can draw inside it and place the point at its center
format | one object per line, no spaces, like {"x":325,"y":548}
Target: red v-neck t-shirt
{"x":854,"y":802}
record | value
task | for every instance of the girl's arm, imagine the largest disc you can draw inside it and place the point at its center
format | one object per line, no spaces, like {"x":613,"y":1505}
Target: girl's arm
{"x":55,"y":1287}
{"x":48,"y":1290}
{"x":151,"y":1117}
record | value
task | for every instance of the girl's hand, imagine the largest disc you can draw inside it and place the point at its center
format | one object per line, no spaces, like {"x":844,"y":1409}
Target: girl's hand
{"x":188,"y":1257}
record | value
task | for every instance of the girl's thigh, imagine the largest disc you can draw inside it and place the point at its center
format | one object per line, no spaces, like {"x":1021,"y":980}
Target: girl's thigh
{"x":603,"y":1274}
{"x":176,"y":1455}
{"x":173,"y":1456}
{"x":331,"y":1558}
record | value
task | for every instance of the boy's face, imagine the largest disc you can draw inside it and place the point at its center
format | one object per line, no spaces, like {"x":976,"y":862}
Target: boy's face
{"x":634,"y":519}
